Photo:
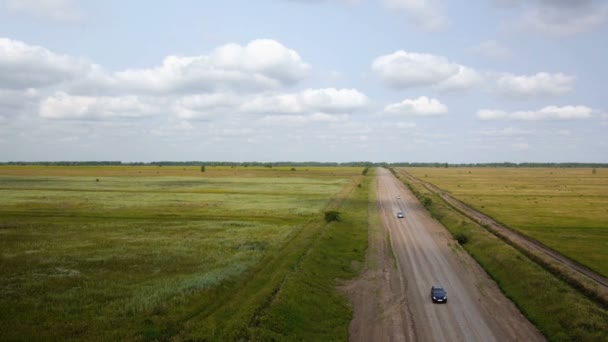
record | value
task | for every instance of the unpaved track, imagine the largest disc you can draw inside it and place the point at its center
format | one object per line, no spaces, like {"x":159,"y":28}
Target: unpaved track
{"x":426,"y":255}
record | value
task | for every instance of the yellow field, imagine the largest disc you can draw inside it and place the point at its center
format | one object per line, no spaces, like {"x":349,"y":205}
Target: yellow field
{"x":566,"y":209}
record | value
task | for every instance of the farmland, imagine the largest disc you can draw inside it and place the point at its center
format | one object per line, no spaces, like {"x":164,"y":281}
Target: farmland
{"x":566,"y":209}
{"x":153,"y":252}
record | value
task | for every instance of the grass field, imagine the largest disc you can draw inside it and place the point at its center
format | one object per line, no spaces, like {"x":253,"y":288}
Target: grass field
{"x":566,"y":209}
{"x":561,"y":312}
{"x":145,"y":253}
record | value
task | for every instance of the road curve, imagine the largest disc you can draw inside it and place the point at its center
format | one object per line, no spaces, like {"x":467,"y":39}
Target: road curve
{"x":426,"y":255}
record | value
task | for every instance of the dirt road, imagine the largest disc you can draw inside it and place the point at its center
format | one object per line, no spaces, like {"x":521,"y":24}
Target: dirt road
{"x":579,"y":274}
{"x":426,"y":255}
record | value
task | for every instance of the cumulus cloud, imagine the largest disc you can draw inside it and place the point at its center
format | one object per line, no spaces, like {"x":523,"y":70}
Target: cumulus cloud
{"x":65,"y":106}
{"x":28,"y":66}
{"x":403,"y":69}
{"x":56,"y":10}
{"x":328,"y":100}
{"x":203,"y":106}
{"x":546,"y":113}
{"x":540,"y":84}
{"x":422,"y":106}
{"x":427,"y":14}
{"x":491,"y":114}
{"x":261,"y":64}
{"x":311,"y":103}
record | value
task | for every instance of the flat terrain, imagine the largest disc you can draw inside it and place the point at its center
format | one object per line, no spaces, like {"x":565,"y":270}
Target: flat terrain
{"x":565,"y":209}
{"x":134,"y":252}
{"x":426,"y":255}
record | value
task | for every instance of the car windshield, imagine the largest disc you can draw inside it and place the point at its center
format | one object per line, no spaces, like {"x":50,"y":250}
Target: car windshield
{"x":438,"y":291}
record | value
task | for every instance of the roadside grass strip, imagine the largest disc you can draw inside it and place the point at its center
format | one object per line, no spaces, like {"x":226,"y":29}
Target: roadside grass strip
{"x":308,"y":306}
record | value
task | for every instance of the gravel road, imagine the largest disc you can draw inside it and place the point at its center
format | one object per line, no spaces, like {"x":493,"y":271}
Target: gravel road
{"x":426,"y":255}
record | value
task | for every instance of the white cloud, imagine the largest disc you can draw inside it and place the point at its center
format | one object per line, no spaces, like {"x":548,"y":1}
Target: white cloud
{"x":261,"y":64}
{"x":540,"y":84}
{"x":328,"y":100}
{"x":311,"y":103}
{"x":403,"y":69}
{"x":427,"y":14}
{"x":492,"y":49}
{"x":56,"y":10}
{"x":546,"y":113}
{"x":205,"y":105}
{"x":334,"y":100}
{"x":491,"y":114}
{"x":422,"y":106}
{"x":463,"y":79}
{"x":29,"y":66}
{"x":65,"y":106}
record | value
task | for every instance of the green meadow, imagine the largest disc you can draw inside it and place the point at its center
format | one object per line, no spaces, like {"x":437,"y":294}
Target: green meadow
{"x":141,"y":253}
{"x":566,"y":209}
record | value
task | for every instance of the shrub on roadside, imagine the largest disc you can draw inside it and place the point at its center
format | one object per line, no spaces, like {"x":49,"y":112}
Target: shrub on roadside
{"x":332,"y":215}
{"x":461,"y":237}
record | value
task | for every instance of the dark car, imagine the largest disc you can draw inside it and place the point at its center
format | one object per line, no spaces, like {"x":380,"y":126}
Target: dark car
{"x":400,"y":214}
{"x":438,"y":294}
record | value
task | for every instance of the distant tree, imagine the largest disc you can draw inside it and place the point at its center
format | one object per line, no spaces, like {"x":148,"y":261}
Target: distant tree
{"x":594,"y":171}
{"x":293,"y":169}
{"x":445,"y":165}
{"x":202,"y":168}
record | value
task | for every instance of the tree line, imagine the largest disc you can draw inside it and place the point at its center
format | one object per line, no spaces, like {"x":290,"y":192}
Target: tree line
{"x":308,"y":163}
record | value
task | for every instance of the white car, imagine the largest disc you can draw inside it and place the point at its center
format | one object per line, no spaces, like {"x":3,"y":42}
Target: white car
{"x":400,"y":214}
{"x":398,"y":196}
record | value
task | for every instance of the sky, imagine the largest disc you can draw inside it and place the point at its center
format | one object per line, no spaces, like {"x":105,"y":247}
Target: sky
{"x":304,"y":80}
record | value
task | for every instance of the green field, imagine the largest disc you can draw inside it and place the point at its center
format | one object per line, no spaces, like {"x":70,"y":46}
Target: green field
{"x":145,"y":253}
{"x":566,"y":209}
